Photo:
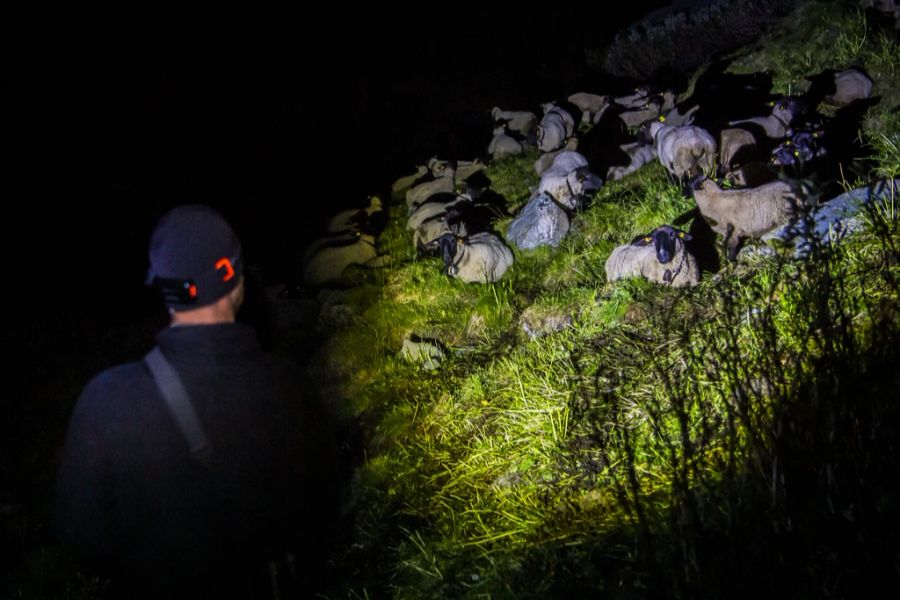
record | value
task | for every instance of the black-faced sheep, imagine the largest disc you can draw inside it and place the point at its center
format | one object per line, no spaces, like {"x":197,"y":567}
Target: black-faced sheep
{"x":480,"y":258}
{"x":659,"y":256}
{"x":522,"y":122}
{"x":738,"y":214}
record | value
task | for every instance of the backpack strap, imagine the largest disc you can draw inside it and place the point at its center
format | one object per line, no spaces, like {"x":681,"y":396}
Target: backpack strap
{"x":179,"y":404}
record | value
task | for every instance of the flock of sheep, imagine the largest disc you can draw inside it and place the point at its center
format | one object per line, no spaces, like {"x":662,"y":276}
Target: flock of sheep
{"x":730,"y":129}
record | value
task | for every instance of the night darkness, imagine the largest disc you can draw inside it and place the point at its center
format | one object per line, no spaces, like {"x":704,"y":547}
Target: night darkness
{"x":275,"y":119}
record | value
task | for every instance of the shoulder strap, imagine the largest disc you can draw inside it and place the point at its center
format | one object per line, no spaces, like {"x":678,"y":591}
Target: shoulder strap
{"x":179,"y":404}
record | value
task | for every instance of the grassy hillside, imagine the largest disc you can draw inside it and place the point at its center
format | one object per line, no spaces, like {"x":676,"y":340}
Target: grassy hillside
{"x":727,"y":440}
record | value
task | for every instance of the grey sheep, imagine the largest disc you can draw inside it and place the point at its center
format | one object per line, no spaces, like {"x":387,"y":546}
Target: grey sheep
{"x":684,"y":151}
{"x":735,"y":142}
{"x":541,"y":222}
{"x":428,"y":210}
{"x":851,"y":84}
{"x":463,"y":168}
{"x":658,"y":256}
{"x":569,"y":180}
{"x":738,"y":214}
{"x":480,"y":258}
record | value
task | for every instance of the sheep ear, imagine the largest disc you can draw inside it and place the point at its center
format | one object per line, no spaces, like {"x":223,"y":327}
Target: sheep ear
{"x":642,"y":240}
{"x":662,"y":118}
{"x":685,"y":236}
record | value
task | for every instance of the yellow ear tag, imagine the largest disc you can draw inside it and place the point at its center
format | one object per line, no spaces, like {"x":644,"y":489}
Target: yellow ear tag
{"x":681,"y":234}
{"x":662,"y":118}
{"x":796,"y":153}
{"x":648,"y":239}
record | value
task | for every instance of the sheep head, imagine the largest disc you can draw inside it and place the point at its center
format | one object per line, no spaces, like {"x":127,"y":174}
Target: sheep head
{"x":665,"y":240}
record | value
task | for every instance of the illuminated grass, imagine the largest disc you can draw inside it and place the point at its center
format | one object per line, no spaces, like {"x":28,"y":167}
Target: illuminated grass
{"x":649,"y":442}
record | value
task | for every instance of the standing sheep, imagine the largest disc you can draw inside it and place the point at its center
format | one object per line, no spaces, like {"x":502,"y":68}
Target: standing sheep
{"x":745,"y":213}
{"x":659,"y":256}
{"x":684,"y":151}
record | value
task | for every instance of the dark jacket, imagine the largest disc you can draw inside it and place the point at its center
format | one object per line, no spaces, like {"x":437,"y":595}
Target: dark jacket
{"x":131,"y":498}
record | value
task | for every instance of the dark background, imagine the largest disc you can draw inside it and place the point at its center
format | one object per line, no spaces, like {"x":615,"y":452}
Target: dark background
{"x":276,"y":119}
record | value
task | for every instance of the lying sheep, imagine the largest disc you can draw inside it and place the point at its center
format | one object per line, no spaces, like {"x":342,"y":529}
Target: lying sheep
{"x":444,"y":184}
{"x":429,"y":231}
{"x":519,"y":121}
{"x":851,"y":84}
{"x":403,"y":183}
{"x":503,"y":145}
{"x":776,"y":124}
{"x":463,"y":168}
{"x":590,"y":105}
{"x":640,"y":155}
{"x":556,"y":126}
{"x":677,"y":118}
{"x":438,"y":204}
{"x":684,"y":151}
{"x":659,"y":256}
{"x":634,"y":100}
{"x":636,"y":117}
{"x":327,"y":263}
{"x":745,"y":213}
{"x":357,"y":219}
{"x":545,"y":161}
{"x":567,"y":182}
{"x":480,"y":258}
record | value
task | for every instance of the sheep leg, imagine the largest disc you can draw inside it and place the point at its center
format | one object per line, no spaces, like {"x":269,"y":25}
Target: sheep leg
{"x":733,"y":243}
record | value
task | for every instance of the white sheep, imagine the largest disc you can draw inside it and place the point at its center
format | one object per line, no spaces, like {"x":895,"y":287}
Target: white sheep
{"x":776,"y":124}
{"x":568,"y":186}
{"x":684,"y":150}
{"x":677,"y":118}
{"x":745,"y":213}
{"x":404,"y":182}
{"x":522,"y":122}
{"x":590,"y":105}
{"x":640,"y":154}
{"x":556,"y":126}
{"x":659,"y":256}
{"x":435,"y":208}
{"x":480,"y":258}
{"x":355,"y":219}
{"x":634,"y":100}
{"x":328,"y":262}
{"x":503,"y":145}
{"x":429,"y":231}
{"x":545,"y":161}
{"x":445,"y":184}
{"x":463,"y":168}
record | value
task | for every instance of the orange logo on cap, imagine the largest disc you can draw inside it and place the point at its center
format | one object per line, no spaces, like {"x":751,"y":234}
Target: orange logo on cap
{"x":229,"y":270}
